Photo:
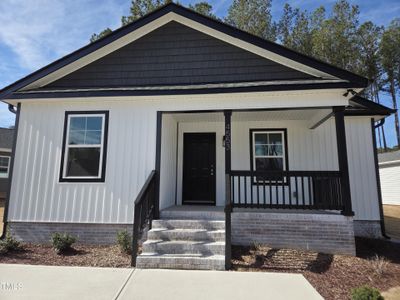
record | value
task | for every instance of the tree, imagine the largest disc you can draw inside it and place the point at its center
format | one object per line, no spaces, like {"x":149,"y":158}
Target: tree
{"x":203,"y":8}
{"x":102,"y":34}
{"x":368,"y":64}
{"x":253,"y":16}
{"x":139,"y":8}
{"x":335,"y":40}
{"x":390,"y":58}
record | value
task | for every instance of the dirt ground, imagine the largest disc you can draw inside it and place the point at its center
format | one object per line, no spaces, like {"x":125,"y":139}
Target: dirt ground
{"x":392,"y":220}
{"x":80,"y":255}
{"x":333,"y":276}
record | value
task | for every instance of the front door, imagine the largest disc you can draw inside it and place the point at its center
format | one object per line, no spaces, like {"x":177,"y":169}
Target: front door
{"x":199,"y":168}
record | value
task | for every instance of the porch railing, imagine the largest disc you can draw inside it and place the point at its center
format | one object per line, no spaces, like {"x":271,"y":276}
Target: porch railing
{"x":144,"y":212}
{"x":319,"y":190}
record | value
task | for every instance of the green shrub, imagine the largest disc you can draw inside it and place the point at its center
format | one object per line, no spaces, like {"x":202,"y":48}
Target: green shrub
{"x":62,"y":242}
{"x":124,"y":241}
{"x":365,"y":293}
{"x":9,"y":243}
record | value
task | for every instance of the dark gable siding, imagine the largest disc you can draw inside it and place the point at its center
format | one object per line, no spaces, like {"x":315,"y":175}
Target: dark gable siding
{"x":176,"y":54}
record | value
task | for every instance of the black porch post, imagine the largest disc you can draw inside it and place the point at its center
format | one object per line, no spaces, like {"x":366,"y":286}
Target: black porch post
{"x":343,"y":162}
{"x":228,"y":206}
{"x":158,"y":166}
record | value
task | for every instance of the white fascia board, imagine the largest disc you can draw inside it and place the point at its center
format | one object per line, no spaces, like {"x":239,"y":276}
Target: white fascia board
{"x":273,"y":99}
{"x":146,"y":29}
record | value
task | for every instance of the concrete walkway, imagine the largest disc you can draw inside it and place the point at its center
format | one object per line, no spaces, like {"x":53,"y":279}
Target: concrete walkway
{"x":44,"y":282}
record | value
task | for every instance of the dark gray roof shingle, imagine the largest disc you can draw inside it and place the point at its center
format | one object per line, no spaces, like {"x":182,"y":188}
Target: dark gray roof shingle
{"x":6,"y":138}
{"x":389,"y":156}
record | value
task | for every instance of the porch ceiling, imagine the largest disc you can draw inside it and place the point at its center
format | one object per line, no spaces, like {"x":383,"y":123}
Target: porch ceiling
{"x":306,"y":114}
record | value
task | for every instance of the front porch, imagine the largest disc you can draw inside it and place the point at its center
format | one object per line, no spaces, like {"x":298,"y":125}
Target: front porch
{"x":272,"y":177}
{"x":275,"y":159}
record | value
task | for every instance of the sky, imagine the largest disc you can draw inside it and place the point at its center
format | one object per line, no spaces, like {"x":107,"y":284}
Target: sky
{"x":33,"y":33}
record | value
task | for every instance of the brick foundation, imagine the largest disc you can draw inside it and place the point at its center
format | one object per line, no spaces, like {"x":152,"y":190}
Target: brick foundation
{"x":326,"y":233}
{"x":86,"y":233}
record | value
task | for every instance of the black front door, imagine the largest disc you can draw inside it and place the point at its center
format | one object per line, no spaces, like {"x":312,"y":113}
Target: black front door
{"x":199,"y":168}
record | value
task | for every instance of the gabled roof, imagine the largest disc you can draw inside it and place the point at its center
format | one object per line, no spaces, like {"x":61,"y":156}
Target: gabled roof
{"x":6,"y":138}
{"x":334,"y":76}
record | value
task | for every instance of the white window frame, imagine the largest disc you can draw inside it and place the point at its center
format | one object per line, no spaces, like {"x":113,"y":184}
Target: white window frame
{"x":6,"y":175}
{"x":67,"y":146}
{"x":283,"y":156}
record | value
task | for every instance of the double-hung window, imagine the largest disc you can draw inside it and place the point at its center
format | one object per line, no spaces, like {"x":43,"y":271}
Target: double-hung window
{"x":4,"y":166}
{"x":269,"y":150}
{"x":85,"y":146}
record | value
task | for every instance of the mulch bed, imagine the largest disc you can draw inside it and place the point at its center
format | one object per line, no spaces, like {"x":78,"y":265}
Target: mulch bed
{"x":80,"y":255}
{"x":332,"y":275}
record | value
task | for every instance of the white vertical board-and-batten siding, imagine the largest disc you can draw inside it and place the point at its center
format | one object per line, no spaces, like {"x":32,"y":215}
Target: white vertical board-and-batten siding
{"x":38,"y":196}
{"x":390,"y":182}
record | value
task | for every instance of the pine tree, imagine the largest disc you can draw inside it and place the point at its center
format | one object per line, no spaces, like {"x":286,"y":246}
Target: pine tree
{"x":253,"y":16}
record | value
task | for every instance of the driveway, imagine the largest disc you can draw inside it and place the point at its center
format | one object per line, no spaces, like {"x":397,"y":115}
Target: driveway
{"x":45,"y":282}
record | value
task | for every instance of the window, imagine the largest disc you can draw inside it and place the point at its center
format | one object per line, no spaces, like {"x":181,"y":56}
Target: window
{"x":4,"y":166}
{"x":84,"y":146}
{"x":269,"y":150}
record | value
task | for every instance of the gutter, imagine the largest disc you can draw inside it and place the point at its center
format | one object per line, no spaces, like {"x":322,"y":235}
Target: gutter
{"x":378,"y":179}
{"x":16,"y":111}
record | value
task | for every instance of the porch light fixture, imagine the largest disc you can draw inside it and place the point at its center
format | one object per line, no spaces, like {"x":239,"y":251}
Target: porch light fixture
{"x":223,"y":141}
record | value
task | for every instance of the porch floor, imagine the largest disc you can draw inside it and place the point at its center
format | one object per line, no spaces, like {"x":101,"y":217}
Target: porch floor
{"x":199,"y":208}
{"x":206,"y":208}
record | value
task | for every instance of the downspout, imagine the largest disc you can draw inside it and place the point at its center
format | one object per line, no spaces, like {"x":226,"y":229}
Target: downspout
{"x":16,"y":111}
{"x":378,"y":179}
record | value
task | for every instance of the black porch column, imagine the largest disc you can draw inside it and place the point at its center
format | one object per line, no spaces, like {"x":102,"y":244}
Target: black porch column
{"x":158,"y":166}
{"x":342,"y":158}
{"x":228,"y":206}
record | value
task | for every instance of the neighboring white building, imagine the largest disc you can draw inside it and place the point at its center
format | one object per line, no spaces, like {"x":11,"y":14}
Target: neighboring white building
{"x":389,"y":171}
{"x":179,"y":116}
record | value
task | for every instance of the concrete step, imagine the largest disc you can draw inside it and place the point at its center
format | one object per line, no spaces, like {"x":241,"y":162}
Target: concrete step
{"x":184,"y":247}
{"x":189,"y":224}
{"x":176,"y":261}
{"x":186,"y":234}
{"x":192,"y":215}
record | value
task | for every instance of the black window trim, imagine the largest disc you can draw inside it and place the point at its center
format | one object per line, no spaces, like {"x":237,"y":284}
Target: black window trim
{"x":285,"y":141}
{"x":105,"y":143}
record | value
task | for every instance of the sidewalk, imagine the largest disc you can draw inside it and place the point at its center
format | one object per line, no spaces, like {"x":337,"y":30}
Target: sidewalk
{"x":45,"y":282}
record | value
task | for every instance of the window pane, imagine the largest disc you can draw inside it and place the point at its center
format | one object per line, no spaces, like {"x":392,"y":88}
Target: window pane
{"x":275,"y":150}
{"x":93,"y":137}
{"x":269,"y":164}
{"x":261,"y":138}
{"x":76,"y":137}
{"x":77,"y":123}
{"x":94,"y":123}
{"x":82,"y":162}
{"x":261,"y":150}
{"x":275,"y":138}
{"x":4,"y":162}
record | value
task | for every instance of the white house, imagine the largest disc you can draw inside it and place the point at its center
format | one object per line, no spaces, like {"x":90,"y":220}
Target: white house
{"x":210,"y":134}
{"x":389,"y":170}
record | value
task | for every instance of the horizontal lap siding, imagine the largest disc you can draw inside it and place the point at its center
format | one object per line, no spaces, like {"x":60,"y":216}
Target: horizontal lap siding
{"x":175,"y":54}
{"x":390,"y":181}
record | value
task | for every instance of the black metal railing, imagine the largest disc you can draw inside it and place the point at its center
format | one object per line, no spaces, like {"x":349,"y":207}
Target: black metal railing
{"x":144,"y":212}
{"x":287,"y":189}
